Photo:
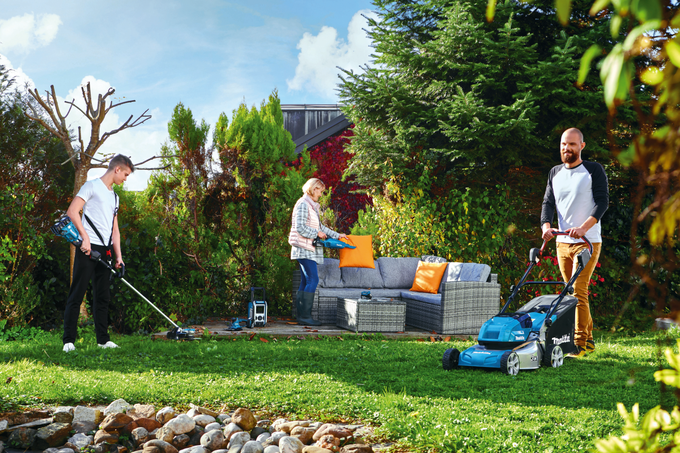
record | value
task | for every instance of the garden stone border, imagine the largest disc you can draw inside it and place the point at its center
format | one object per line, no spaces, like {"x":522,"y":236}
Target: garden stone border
{"x":125,"y":428}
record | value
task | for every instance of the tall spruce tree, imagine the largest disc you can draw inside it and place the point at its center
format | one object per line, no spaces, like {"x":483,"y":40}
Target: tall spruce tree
{"x":457,"y":98}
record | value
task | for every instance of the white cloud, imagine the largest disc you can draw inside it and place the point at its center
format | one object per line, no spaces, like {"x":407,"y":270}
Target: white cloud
{"x":22,"y":34}
{"x":320,"y":56}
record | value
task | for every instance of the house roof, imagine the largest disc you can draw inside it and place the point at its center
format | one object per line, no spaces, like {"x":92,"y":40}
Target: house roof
{"x":318,"y":135}
{"x":311,"y":124}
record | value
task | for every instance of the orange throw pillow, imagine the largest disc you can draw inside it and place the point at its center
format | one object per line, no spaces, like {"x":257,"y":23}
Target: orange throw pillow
{"x":428,"y":277}
{"x":361,"y":256}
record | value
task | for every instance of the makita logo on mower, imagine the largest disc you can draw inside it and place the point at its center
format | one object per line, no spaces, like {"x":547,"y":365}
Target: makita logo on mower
{"x":566,"y":338}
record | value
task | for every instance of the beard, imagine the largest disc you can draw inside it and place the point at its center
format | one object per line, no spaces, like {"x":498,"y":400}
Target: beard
{"x":569,"y":158}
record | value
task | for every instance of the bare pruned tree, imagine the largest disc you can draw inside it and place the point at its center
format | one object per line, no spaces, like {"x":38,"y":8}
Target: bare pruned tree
{"x":82,"y":157}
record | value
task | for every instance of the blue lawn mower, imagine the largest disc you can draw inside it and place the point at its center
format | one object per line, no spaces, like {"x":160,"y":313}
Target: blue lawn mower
{"x":540,"y":332}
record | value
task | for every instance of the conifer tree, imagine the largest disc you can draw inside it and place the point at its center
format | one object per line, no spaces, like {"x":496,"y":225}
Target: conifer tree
{"x":457,"y":98}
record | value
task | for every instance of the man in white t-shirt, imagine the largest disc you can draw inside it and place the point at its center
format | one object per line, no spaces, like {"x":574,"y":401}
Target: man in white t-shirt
{"x":98,"y":229}
{"x":579,"y":191}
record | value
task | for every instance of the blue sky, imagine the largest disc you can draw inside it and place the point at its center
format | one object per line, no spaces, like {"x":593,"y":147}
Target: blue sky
{"x":210,"y":55}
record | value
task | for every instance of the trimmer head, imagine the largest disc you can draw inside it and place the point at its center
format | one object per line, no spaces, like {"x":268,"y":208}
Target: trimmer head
{"x":177,"y":333}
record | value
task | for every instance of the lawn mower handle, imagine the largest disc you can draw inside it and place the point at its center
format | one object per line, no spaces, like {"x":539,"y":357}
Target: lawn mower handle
{"x":564,"y":233}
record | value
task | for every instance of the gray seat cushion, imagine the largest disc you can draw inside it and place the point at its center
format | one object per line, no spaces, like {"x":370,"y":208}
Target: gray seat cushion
{"x":435,"y":299}
{"x":355,"y":293}
{"x":398,"y":272}
{"x":329,"y":273}
{"x":359,"y":277}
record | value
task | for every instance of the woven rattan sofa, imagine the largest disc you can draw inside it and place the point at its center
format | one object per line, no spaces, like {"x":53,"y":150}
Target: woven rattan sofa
{"x":459,"y":308}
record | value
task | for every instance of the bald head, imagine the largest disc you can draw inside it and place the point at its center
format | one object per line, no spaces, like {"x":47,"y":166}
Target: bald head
{"x":571,"y":146}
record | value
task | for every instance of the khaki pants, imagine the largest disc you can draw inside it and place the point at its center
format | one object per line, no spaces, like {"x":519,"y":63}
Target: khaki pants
{"x":566,"y":256}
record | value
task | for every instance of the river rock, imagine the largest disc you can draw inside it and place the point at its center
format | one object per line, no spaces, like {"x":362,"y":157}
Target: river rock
{"x":211,"y":426}
{"x":304,"y":434}
{"x":181,"y":424}
{"x":252,"y":446}
{"x":62,"y":414}
{"x":271,"y":449}
{"x":165,"y":433}
{"x":198,"y":449}
{"x":81,"y":440}
{"x":290,"y":444}
{"x":244,"y":418}
{"x":262,"y":437}
{"x":196,"y":435}
{"x":51,"y":435}
{"x":21,"y":438}
{"x":204,"y":420}
{"x":181,"y":441}
{"x":105,"y":436}
{"x":204,"y":410}
{"x":83,"y":427}
{"x":159,"y":446}
{"x":117,"y":406}
{"x":238,"y":439}
{"x":213,"y":440}
{"x":115,"y":420}
{"x":87,"y":414}
{"x":192,"y":413}
{"x":139,"y":435}
{"x":329,"y":442}
{"x":275,"y":438}
{"x":165,"y":415}
{"x":356,"y":448}
{"x":3,"y":426}
{"x":58,"y":450}
{"x":288,"y":426}
{"x":142,"y":411}
{"x":278,"y":422}
{"x":149,"y":424}
{"x":315,"y":449}
{"x":334,"y":430}
{"x":257,"y":431}
{"x":231,"y":429}
{"x":224,"y":418}
{"x":21,"y":418}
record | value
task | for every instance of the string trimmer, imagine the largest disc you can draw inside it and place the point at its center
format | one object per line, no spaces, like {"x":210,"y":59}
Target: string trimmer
{"x":65,"y":228}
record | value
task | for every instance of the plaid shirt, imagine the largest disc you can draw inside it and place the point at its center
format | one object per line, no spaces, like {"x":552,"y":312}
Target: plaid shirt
{"x":301,"y":216}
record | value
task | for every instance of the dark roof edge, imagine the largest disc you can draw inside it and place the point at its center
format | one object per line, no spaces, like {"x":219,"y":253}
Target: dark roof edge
{"x":320,"y":134}
{"x":289,"y":107}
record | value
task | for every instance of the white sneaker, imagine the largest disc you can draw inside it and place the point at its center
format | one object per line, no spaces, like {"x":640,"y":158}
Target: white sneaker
{"x":109,"y":344}
{"x":68,"y":347}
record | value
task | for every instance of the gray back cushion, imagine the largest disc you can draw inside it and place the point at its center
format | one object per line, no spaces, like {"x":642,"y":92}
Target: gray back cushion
{"x":467,"y":272}
{"x":362,"y":277}
{"x":329,"y":273}
{"x":398,"y":272}
{"x":432,"y":259}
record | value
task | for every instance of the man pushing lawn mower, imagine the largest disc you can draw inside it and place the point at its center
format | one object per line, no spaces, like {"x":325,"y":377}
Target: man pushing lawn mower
{"x":99,"y":232}
{"x":578,"y":190}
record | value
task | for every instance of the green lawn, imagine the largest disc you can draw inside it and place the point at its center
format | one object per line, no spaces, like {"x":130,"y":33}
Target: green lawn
{"x":398,"y":386}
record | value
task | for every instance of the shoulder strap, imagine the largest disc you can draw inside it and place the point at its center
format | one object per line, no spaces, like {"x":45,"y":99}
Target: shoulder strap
{"x":115,"y":213}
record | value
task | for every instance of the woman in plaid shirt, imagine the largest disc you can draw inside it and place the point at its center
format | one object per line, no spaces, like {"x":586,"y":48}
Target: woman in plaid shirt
{"x":306,"y":226}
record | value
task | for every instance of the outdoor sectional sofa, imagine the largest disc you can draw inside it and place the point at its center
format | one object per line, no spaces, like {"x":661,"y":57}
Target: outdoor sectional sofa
{"x":468,"y":296}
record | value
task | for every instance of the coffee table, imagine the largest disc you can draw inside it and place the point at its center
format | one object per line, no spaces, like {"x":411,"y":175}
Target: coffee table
{"x":371,"y":315}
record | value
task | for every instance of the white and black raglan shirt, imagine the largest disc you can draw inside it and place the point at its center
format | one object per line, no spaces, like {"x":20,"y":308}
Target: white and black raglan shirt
{"x":576,"y":193}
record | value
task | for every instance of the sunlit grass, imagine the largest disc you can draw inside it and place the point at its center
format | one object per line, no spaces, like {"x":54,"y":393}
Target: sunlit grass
{"x":398,"y":386}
